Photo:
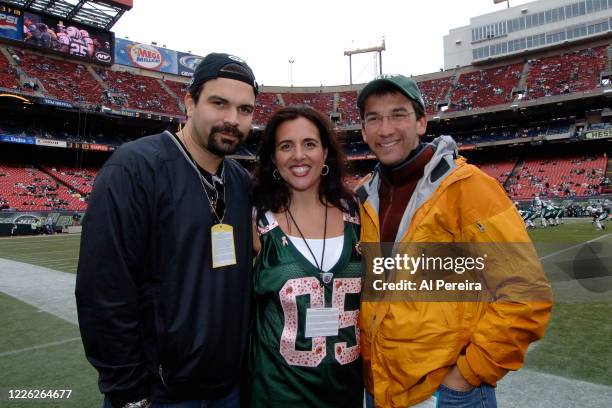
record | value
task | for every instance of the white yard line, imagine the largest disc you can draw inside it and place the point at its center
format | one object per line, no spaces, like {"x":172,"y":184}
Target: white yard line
{"x":38,"y":347}
{"x":44,"y":288}
{"x":53,"y":292}
{"x":573,"y":247}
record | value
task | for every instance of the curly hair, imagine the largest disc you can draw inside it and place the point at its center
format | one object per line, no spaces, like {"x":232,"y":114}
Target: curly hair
{"x":270,"y":194}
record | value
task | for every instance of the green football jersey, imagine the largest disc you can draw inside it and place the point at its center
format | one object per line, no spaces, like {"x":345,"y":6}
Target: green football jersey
{"x":289,"y":369}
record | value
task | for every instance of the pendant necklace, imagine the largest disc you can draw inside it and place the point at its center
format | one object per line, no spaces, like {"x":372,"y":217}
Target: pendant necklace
{"x":325,"y":276}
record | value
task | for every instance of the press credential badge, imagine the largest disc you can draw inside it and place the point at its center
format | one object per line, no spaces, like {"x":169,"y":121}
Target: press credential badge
{"x":223,"y":250}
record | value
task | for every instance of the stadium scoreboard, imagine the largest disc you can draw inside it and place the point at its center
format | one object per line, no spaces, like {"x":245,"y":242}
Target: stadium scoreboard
{"x":56,"y":35}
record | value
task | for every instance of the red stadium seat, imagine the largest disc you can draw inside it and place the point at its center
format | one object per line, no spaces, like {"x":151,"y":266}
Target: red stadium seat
{"x":434,"y":91}
{"x":63,"y":80}
{"x":179,"y":88}
{"x":484,"y":88}
{"x":8,"y":75}
{"x":323,"y":102}
{"x":576,"y":175}
{"x":499,"y":170}
{"x":577,"y":71}
{"x":26,"y":188}
{"x":347,"y":107}
{"x":141,"y":92}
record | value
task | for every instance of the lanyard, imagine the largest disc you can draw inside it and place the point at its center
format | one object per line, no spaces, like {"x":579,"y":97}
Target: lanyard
{"x":319,"y":267}
{"x":204,"y":182}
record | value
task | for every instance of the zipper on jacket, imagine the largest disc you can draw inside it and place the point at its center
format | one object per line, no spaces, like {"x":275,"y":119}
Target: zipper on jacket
{"x":161,"y":375}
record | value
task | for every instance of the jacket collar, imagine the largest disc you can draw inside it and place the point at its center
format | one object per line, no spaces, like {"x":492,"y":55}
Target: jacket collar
{"x":436,"y":170}
{"x":400,"y":174}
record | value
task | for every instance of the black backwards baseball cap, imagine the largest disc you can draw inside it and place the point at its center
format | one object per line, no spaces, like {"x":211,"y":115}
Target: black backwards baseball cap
{"x":220,"y":65}
{"x":402,"y":83}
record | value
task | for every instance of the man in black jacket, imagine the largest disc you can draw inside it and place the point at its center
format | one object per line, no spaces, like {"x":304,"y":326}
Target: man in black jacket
{"x":165,"y":264}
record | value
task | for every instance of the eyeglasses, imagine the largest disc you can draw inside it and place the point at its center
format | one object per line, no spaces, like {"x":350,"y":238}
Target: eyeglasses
{"x":396,"y":118}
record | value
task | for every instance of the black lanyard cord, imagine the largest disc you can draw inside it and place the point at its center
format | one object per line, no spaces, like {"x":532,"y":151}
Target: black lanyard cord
{"x":320,"y":268}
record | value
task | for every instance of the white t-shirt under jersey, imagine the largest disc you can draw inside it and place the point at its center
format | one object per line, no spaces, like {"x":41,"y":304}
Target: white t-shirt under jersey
{"x":333,"y":247}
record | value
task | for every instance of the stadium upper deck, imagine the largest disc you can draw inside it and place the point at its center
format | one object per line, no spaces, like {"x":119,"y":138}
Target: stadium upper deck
{"x":576,"y":72}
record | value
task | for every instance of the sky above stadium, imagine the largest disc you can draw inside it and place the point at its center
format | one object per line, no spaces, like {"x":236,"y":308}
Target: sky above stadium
{"x":312,"y":33}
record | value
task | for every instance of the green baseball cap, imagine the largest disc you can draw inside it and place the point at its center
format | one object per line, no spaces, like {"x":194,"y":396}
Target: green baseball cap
{"x":403,"y":84}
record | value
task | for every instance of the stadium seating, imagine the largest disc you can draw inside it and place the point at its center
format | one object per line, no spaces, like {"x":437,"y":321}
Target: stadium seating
{"x":8,"y":128}
{"x":80,"y":180}
{"x":575,"y":175}
{"x":568,"y":73}
{"x":602,"y":125}
{"x":484,"y":88}
{"x":434,"y":91}
{"x":63,"y":80}
{"x":179,"y":88}
{"x":577,"y":71}
{"x":141,"y":92}
{"x":26,"y":188}
{"x":499,"y":170}
{"x":322,"y":102}
{"x":265,"y":105}
{"x":347,"y":107}
{"x":8,"y":75}
{"x":558,"y":127}
{"x":358,"y":150}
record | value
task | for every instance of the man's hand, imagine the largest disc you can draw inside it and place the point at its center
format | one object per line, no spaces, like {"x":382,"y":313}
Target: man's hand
{"x":455,"y":381}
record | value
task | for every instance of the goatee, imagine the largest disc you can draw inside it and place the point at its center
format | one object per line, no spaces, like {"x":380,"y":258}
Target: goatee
{"x":220,"y":147}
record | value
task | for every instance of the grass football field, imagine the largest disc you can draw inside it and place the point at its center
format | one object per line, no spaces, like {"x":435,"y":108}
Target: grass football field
{"x":39,"y":351}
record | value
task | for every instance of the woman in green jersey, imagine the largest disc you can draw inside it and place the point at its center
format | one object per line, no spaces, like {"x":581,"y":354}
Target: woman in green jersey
{"x":307,"y":278}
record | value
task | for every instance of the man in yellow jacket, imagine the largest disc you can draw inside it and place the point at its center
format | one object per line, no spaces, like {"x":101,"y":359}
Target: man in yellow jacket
{"x":423,"y":353}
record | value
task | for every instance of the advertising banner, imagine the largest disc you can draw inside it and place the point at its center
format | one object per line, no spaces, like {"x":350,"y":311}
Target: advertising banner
{"x":598,"y":134}
{"x":187,"y":63}
{"x":98,"y":147}
{"x":145,"y":56}
{"x":55,"y":102}
{"x":11,"y":23}
{"x":50,"y":142}
{"x":17,"y":139}
{"x":67,"y":38}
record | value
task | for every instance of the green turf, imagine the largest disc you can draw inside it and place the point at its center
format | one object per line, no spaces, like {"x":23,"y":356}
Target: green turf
{"x":577,"y":342}
{"x":576,"y":345}
{"x":59,"y":252}
{"x":50,"y":367}
{"x":24,"y":326}
{"x":572,"y":232}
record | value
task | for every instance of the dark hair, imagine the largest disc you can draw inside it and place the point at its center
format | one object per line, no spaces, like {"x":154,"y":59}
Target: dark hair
{"x":386,"y":89}
{"x":273,"y":195}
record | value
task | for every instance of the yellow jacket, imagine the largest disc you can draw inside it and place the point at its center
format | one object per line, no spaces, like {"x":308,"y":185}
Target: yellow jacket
{"x":408,"y":347}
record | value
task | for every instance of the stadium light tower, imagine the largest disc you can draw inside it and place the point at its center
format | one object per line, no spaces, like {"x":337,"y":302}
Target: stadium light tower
{"x":291,"y":61}
{"x":501,"y":1}
{"x":379,"y":49}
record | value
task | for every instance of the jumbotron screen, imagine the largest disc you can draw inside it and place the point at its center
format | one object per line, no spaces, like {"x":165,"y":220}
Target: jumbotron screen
{"x":57,"y":35}
{"x":71,"y":39}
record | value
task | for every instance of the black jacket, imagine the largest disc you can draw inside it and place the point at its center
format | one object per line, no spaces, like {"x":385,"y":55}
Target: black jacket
{"x":156,"y":320}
